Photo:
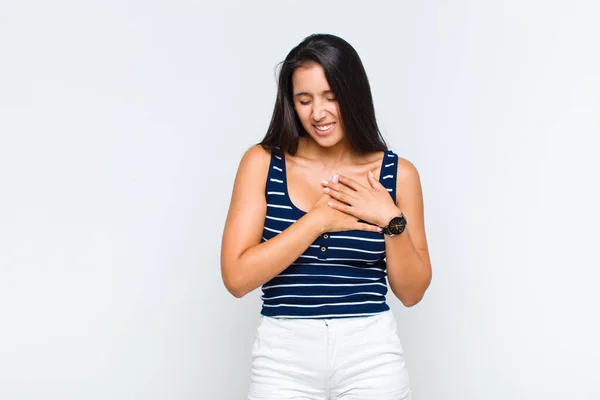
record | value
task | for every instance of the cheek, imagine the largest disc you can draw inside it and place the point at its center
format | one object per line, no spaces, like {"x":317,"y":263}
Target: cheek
{"x":303,"y":115}
{"x":337,"y":110}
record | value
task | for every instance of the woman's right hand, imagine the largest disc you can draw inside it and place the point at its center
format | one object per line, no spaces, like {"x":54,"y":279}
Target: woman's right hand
{"x":332,"y":220}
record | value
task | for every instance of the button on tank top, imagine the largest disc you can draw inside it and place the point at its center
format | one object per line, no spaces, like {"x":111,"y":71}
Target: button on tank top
{"x":341,"y":274}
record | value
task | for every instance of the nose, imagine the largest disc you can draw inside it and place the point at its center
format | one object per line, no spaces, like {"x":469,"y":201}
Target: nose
{"x":318,"y":110}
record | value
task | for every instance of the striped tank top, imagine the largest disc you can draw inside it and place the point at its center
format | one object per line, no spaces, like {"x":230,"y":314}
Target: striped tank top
{"x":341,"y":274}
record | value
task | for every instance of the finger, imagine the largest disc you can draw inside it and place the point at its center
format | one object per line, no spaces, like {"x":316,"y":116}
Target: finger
{"x":375,"y":184}
{"x":325,"y":197}
{"x":338,"y":187}
{"x":340,"y":207}
{"x":351,"y":183}
{"x":341,"y":196}
{"x":368,"y":227}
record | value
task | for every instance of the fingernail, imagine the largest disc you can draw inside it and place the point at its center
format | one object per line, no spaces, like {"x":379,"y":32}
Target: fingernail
{"x":371,"y":174}
{"x":334,"y":178}
{"x":325,"y":182}
{"x":379,"y":229}
{"x":330,"y":203}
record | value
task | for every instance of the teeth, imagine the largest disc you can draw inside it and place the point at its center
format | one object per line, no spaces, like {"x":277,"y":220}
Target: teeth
{"x":324,"y":128}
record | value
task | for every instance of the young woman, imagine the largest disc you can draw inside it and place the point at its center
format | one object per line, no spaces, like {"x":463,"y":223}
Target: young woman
{"x":321,"y":213}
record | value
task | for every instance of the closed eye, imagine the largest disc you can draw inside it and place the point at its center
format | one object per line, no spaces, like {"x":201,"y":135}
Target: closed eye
{"x":305,"y":103}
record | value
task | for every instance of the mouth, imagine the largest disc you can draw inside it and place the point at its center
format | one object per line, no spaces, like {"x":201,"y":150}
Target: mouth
{"x":323,"y":130}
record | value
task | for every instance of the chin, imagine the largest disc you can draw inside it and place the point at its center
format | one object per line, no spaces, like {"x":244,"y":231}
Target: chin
{"x":326,"y":141}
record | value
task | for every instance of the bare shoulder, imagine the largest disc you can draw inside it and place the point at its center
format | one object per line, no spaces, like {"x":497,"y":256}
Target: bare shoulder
{"x":407,"y":173}
{"x":256,"y":156}
{"x":254,"y":164}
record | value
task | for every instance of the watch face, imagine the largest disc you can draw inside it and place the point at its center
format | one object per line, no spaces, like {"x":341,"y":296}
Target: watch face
{"x":397,"y":225}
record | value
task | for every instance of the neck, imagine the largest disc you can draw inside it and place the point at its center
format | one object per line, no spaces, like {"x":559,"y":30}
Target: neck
{"x":330,"y":157}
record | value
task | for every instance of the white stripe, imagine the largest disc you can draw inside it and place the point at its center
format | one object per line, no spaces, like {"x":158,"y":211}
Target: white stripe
{"x":278,"y":206}
{"x":343,"y":259}
{"x":277,"y":157}
{"x":390,"y":155}
{"x":277,"y":168}
{"x":326,"y":315}
{"x":314,"y":245}
{"x":362,"y":251}
{"x":281,"y":219}
{"x":276,"y":180}
{"x":324,"y":305}
{"x":324,"y":284}
{"x":340,"y":265}
{"x":277,"y":193}
{"x":356,"y":238}
{"x":388,"y":176}
{"x":389,"y":190}
{"x":338,"y":259}
{"x":332,"y":276}
{"x":354,"y":259}
{"x":264,"y":238}
{"x":321,"y":296}
{"x":272,"y":230}
{"x":389,"y":165}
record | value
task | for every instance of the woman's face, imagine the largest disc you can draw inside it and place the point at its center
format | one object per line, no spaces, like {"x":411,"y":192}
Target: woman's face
{"x":316,"y":105}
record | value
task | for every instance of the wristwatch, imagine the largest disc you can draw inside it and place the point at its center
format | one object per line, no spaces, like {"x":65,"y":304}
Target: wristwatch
{"x":396,"y":226}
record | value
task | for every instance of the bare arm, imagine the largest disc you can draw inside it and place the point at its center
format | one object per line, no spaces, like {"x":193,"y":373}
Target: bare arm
{"x":408,"y":263}
{"x":246,"y":263}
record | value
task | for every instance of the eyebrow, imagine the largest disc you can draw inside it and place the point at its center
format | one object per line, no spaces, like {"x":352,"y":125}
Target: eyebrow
{"x":308,"y":94}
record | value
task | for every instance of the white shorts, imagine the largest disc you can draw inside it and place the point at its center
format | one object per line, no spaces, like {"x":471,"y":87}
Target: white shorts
{"x":320,"y":359}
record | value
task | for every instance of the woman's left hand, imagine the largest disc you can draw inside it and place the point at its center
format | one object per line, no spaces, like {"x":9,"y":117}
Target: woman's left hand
{"x":371,"y":204}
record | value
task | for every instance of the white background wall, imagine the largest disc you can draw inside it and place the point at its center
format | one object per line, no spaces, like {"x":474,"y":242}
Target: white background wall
{"x":121,"y":127}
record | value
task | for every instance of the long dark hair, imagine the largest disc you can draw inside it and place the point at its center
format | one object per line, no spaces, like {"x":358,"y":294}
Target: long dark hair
{"x":348,"y":80}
